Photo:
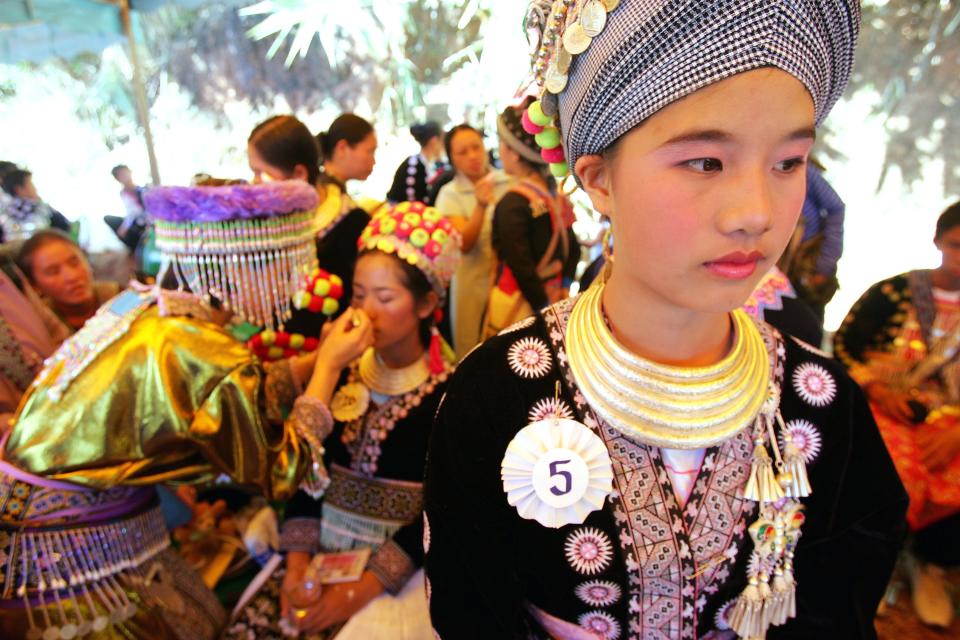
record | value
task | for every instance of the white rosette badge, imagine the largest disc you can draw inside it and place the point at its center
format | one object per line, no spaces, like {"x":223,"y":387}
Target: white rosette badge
{"x":556,"y":471}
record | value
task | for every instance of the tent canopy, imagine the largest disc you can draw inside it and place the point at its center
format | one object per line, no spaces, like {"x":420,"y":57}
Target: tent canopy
{"x":35,"y":30}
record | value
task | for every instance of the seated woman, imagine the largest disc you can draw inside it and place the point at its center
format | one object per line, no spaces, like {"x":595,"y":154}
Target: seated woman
{"x":154,"y":389}
{"x":900,"y":342}
{"x":29,"y":333}
{"x":60,"y":272}
{"x":383,"y":409}
{"x":532,"y":231}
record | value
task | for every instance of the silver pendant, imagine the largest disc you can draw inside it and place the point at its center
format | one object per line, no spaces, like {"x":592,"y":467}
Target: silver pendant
{"x":556,"y":81}
{"x":575,"y":39}
{"x":593,"y":18}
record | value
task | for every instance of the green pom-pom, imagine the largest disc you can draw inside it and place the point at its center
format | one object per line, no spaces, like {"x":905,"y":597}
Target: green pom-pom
{"x":301,"y":299}
{"x":558,"y":169}
{"x":419,"y":238}
{"x":322,"y":288}
{"x":537,"y":116}
{"x":548,"y":138}
{"x":330,"y":307}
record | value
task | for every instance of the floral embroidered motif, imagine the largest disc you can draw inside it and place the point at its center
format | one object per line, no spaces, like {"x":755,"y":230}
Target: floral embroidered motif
{"x":722,"y":617}
{"x":600,"y":623}
{"x":805,"y":437}
{"x":529,"y":358}
{"x":814,"y":384}
{"x":599,"y":593}
{"x":426,"y":535}
{"x":550,"y":408}
{"x":517,"y":326}
{"x":588,"y":550}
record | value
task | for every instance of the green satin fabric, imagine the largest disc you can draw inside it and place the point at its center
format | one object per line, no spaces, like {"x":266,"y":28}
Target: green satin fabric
{"x":174,"y":400}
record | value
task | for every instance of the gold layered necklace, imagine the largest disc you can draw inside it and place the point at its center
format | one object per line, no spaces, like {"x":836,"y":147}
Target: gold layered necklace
{"x":662,"y":405}
{"x":380,"y":378}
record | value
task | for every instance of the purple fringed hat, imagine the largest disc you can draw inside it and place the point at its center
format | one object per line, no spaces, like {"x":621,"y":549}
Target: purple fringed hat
{"x":250,"y":246}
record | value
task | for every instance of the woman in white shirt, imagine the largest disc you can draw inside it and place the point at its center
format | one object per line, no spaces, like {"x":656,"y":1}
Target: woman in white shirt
{"x":468,"y":200}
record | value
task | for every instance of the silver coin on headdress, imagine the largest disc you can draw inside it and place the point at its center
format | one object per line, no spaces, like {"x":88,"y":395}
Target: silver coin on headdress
{"x":562,"y":58}
{"x":555,"y":81}
{"x":575,"y":39}
{"x":593,"y":17}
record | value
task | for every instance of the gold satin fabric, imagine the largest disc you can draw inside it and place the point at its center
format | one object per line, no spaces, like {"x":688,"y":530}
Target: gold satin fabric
{"x":175,"y":400}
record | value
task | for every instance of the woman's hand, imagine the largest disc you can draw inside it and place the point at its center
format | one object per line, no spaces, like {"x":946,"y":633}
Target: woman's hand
{"x":893,"y":403}
{"x":297,"y":563}
{"x":939,"y":444}
{"x":483,"y":191}
{"x":348,"y":337}
{"x":345,"y":341}
{"x":338,"y":603}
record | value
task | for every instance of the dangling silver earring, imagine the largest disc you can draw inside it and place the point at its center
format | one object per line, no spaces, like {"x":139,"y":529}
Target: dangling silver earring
{"x":607,"y":248}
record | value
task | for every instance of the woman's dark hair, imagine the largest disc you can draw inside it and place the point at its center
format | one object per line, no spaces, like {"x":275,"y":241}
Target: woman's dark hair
{"x":949,"y":219}
{"x":13,"y":179}
{"x":347,"y":126}
{"x":6,"y":167}
{"x":37,"y":241}
{"x":285,"y":142}
{"x":424,"y":131}
{"x":418,"y":286}
{"x":451,"y":134}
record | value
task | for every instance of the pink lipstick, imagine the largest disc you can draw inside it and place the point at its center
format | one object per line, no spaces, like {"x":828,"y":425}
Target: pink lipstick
{"x":735,"y":266}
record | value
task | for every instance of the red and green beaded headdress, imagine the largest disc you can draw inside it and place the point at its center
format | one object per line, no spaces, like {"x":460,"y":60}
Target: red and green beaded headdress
{"x":421,"y":236}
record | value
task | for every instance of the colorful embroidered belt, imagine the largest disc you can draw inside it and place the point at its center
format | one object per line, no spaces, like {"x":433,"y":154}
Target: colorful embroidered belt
{"x":27,"y":500}
{"x":374,"y":497}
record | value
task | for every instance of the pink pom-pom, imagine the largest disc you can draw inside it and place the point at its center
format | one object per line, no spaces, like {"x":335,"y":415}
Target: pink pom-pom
{"x":528,"y":125}
{"x":552,"y":155}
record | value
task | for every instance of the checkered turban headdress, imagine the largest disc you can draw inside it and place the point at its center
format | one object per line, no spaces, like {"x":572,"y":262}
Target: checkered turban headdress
{"x":651,"y":53}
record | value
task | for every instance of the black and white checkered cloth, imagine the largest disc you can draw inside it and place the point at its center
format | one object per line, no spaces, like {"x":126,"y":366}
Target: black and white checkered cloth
{"x":654,"y":52}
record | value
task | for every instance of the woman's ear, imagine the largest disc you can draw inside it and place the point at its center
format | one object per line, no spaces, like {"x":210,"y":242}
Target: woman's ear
{"x":427,"y":305}
{"x":594,"y":173}
{"x":340,"y":148}
{"x":299,"y":173}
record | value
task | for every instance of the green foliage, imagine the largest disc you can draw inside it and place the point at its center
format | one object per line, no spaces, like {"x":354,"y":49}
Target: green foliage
{"x":909,"y":54}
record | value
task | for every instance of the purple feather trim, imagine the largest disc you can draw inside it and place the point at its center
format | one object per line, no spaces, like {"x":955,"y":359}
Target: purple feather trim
{"x":233,"y":202}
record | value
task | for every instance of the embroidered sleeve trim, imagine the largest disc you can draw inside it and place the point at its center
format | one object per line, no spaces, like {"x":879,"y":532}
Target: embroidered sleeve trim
{"x":312,"y":415}
{"x":392,"y":566}
{"x":300,"y":534}
{"x":279,"y":389}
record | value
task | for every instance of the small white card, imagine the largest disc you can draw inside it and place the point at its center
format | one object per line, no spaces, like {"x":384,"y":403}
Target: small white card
{"x":340,"y":566}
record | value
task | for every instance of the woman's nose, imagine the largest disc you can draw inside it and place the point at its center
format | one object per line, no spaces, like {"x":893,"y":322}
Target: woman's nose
{"x":748,"y":207}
